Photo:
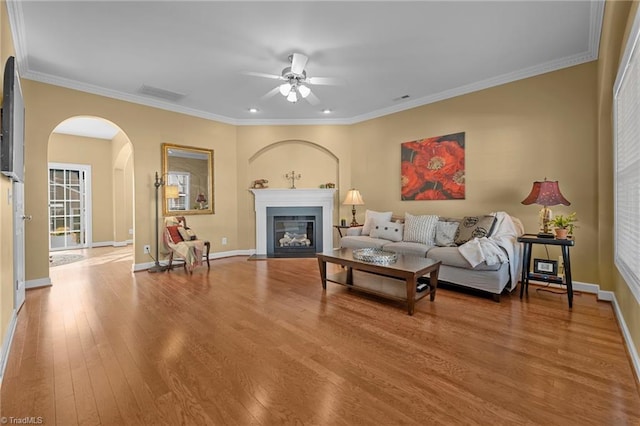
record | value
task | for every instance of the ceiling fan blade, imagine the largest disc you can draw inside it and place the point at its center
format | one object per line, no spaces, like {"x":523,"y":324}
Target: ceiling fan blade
{"x":263,"y":74}
{"x":298,"y":62}
{"x":325,"y":81}
{"x":270,"y":93}
{"x":312,"y":99}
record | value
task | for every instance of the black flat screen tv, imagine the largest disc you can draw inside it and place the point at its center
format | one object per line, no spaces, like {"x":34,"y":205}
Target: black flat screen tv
{"x":12,"y":144}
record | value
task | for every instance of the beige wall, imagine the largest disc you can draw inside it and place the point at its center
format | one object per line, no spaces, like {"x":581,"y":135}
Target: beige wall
{"x":270,"y":152}
{"x":97,"y":154}
{"x":122,"y":160}
{"x":147,"y":128}
{"x":514,"y":134}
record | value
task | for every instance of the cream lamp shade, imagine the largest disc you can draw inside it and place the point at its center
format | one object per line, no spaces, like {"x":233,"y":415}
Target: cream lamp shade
{"x":354,"y":199}
{"x":171,"y":192}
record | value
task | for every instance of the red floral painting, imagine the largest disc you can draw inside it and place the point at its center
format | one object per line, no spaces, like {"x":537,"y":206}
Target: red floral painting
{"x":433,"y":168}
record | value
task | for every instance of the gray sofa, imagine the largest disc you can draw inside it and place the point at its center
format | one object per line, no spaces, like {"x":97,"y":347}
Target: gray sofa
{"x":499,"y":271}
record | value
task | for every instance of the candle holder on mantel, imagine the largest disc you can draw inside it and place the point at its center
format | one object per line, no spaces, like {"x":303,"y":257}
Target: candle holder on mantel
{"x":292,"y":177}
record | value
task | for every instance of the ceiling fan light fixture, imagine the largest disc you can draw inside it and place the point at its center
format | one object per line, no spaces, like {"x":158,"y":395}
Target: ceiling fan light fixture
{"x":304,"y":90}
{"x":285,"y":89}
{"x":293,"y":96}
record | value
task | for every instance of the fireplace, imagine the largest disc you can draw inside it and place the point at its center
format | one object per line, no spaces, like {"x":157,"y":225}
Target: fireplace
{"x":295,"y":203}
{"x":294,"y":231}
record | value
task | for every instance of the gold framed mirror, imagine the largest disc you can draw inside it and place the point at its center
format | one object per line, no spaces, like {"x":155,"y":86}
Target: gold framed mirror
{"x":188,"y":176}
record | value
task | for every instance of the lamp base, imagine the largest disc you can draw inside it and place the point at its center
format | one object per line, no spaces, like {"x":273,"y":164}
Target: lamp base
{"x":545,"y":235}
{"x":158,"y":268}
{"x":354,"y":222}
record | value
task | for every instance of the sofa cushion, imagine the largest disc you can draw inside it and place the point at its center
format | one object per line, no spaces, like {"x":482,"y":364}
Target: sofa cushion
{"x":404,"y":247}
{"x":362,"y":241}
{"x":354,"y":231}
{"x":388,"y":231}
{"x":474,"y":227}
{"x":420,"y":229}
{"x":446,"y":233}
{"x":371,"y":217}
{"x":451,"y":256}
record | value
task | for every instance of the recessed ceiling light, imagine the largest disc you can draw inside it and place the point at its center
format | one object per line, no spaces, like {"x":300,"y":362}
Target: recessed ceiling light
{"x":326,"y":111}
{"x":253,"y":109}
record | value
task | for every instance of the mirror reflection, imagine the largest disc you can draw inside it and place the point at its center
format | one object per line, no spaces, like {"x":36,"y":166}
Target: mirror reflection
{"x":188,"y":177}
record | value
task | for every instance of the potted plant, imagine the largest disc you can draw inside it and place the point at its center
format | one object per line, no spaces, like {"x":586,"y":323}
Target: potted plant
{"x":564,"y":225}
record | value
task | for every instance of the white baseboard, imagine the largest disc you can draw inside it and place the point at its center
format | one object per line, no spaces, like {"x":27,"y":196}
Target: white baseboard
{"x":231,"y":253}
{"x":577,"y":285}
{"x":137,"y":267}
{"x":40,"y":282}
{"x":631,"y":347}
{"x":6,"y":344}
{"x":103,"y":244}
{"x":111,"y":243}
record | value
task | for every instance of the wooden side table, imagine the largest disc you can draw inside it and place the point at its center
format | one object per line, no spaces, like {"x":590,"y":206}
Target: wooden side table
{"x":529,"y":240}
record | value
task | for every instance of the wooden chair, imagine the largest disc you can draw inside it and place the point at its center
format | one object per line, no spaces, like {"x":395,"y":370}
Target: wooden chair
{"x":172,"y":242}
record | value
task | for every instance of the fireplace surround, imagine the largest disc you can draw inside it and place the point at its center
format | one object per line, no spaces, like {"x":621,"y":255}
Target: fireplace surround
{"x":294,"y":198}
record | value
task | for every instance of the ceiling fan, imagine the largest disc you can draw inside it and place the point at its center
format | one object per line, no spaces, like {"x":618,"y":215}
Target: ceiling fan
{"x":296,"y":83}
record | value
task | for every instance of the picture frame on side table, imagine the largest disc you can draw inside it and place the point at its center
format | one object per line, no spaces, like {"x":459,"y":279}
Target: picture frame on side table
{"x":545,"y":266}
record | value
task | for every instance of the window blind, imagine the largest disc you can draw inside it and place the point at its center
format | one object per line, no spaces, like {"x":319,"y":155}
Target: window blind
{"x":627,"y":164}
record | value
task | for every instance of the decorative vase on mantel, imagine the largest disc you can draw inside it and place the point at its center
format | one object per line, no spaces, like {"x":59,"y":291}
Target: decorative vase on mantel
{"x":561,"y":233}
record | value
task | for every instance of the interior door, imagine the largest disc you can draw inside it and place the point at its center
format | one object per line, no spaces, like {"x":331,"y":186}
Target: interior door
{"x":69,"y":206}
{"x":18,"y":244}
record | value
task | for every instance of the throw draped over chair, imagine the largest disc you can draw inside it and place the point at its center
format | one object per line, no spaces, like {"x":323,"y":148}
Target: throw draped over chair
{"x":180,"y":241}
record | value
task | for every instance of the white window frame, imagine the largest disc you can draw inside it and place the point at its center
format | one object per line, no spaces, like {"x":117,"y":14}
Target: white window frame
{"x":626,"y":166}
{"x":183,"y":181}
{"x":86,"y":201}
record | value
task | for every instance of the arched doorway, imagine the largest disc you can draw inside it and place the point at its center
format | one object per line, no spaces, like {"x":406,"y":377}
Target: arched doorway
{"x":90,"y":169}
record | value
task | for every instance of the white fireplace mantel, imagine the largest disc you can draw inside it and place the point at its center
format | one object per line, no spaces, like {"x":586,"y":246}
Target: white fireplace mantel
{"x":292,"y":198}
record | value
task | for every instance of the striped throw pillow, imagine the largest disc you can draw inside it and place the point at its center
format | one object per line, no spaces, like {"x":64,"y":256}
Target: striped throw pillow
{"x":420,"y":229}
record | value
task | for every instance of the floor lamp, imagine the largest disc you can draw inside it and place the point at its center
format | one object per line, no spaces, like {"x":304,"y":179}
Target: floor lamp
{"x":171,"y":191}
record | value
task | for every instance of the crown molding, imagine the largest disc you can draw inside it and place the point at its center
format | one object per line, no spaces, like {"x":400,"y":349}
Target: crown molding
{"x":115,"y":94}
{"x":17,"y":28}
{"x":16,"y":24}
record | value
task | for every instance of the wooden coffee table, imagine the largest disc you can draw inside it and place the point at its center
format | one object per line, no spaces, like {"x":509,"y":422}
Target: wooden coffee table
{"x":407,"y":268}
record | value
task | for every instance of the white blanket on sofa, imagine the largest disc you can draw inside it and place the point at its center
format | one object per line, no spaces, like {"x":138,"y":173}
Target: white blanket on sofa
{"x":490,"y":249}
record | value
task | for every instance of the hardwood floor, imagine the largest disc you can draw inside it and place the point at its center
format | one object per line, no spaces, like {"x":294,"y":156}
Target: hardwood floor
{"x":258,"y":342}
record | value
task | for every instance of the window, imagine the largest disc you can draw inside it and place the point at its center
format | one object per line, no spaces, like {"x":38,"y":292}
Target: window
{"x":182,"y":181}
{"x":626,"y":118}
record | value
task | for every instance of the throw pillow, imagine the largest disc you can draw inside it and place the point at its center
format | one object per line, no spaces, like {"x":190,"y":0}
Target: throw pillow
{"x":446,"y":233}
{"x":372,"y":216}
{"x":174,"y":233}
{"x":187,"y":234}
{"x":391,"y":231}
{"x":420,"y":229}
{"x":474,"y":227}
